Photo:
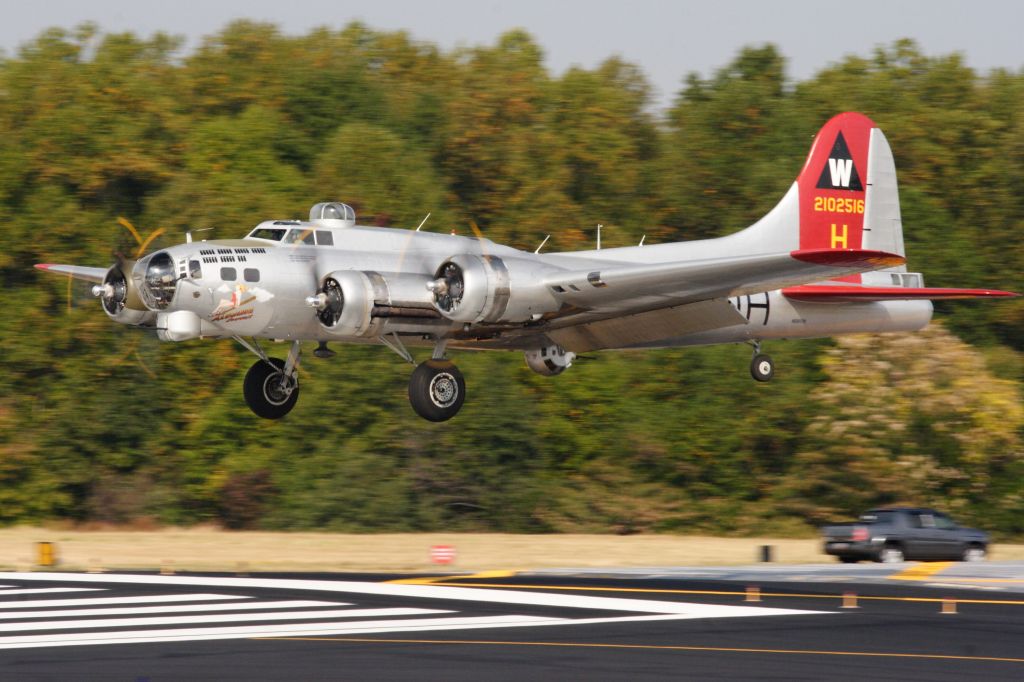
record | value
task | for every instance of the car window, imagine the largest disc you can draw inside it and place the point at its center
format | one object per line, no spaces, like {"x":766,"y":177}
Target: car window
{"x":878,"y":517}
{"x":944,"y":522}
{"x":884,"y":517}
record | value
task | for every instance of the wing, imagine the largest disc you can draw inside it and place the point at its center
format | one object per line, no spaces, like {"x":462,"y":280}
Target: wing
{"x":622,"y":306}
{"x":653,"y":325}
{"x":633,"y":288}
{"x":76,"y":271}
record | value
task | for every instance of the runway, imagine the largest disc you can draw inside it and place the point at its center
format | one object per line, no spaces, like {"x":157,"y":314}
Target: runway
{"x":737,"y":623}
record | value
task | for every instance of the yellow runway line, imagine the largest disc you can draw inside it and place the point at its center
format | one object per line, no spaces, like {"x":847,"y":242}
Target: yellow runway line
{"x":646,"y":590}
{"x":981,"y":580}
{"x":435,"y":579}
{"x":922,"y":571}
{"x":652,"y":647}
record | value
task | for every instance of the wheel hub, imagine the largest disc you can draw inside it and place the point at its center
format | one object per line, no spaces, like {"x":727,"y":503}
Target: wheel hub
{"x":277,"y":388}
{"x":443,"y":389}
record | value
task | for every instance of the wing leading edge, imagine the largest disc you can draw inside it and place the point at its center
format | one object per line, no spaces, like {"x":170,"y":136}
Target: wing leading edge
{"x":77,"y":271}
{"x":690,"y":281}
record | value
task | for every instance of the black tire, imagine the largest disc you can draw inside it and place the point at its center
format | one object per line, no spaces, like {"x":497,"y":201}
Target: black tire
{"x":974,"y":552}
{"x":891,"y":554}
{"x":762,"y":368}
{"x":263,"y":393}
{"x":437,"y":390}
{"x":848,"y":559}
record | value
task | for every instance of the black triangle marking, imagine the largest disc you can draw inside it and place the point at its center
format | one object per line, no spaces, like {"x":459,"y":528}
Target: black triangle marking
{"x":836,"y":167}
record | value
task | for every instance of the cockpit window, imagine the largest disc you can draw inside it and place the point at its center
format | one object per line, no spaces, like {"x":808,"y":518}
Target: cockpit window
{"x":299,"y":235}
{"x":324,"y":238}
{"x":271,"y":233}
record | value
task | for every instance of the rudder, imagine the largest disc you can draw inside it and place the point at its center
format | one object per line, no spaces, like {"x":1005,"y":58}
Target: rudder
{"x":848,"y":193}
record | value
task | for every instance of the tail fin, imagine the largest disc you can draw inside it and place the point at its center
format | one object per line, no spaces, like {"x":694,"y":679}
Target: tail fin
{"x":847,"y":188}
{"x":844,"y":198}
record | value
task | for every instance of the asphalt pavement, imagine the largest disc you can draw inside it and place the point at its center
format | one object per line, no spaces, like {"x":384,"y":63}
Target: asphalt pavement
{"x":927,"y":621}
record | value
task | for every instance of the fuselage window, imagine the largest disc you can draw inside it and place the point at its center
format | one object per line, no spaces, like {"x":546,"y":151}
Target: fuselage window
{"x":251,"y":275}
{"x":195,"y":270}
{"x":324,"y":238}
{"x":301,"y":235}
{"x":273,"y":234}
{"x":228,"y":274}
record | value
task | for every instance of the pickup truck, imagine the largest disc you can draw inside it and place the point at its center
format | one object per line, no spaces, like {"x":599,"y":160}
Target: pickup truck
{"x":902,"y":533}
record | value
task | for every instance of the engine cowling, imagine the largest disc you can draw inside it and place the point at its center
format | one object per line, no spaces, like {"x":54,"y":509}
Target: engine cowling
{"x":486,"y":289}
{"x":549,"y":360}
{"x":120,"y":298}
{"x":344,"y":303}
{"x":469,"y":288}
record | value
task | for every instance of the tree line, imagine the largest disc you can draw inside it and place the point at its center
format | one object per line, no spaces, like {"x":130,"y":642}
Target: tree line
{"x":103,"y":423}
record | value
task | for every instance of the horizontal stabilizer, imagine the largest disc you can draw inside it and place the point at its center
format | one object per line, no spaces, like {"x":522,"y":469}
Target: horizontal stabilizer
{"x":76,"y":271}
{"x":830,"y":293}
{"x":863,"y":259}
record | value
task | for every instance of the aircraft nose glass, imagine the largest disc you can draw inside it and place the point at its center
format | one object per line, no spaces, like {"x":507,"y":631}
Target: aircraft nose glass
{"x":160,"y":281}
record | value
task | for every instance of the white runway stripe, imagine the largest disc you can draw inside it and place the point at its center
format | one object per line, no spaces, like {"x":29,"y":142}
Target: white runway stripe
{"x":46,"y":590}
{"x":471,"y":594}
{"x":72,"y":624}
{"x":188,"y":620}
{"x":177,"y":608}
{"x":96,"y":601}
{"x":277,"y":630}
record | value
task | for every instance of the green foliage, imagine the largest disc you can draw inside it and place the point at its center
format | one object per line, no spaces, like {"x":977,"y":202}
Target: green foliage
{"x":99,"y":422}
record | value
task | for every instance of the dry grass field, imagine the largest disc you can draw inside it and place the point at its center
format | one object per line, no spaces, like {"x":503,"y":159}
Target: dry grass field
{"x":199,"y":549}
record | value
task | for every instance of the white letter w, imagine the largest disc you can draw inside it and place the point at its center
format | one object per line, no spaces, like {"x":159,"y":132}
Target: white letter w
{"x":840,"y":170}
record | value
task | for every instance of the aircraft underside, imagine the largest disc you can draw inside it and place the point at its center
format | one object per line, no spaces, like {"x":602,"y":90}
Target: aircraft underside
{"x":437,"y":389}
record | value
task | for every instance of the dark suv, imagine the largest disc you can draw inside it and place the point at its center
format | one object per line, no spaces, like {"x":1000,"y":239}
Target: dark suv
{"x":902,"y":533}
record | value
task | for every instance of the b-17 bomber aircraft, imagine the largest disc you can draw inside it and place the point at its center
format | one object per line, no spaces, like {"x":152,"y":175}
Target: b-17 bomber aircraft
{"x":827,"y":260}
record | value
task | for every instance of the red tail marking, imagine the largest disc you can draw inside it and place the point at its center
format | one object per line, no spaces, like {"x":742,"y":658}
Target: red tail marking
{"x":832,"y":185}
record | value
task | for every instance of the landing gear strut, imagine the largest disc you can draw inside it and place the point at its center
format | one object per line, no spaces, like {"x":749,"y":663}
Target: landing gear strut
{"x":271,"y":385}
{"x":436,"y":388}
{"x":762,"y":367}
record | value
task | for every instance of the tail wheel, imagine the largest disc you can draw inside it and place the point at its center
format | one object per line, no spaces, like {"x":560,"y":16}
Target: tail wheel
{"x":762,"y":367}
{"x":437,"y":390}
{"x":268,"y":392}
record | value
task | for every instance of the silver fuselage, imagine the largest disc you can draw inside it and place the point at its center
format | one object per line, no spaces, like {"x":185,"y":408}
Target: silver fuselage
{"x":261,"y":288}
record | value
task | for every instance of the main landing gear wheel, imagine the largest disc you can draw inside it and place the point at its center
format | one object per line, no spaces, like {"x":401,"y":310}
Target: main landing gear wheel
{"x":437,"y":390}
{"x":762,"y":368}
{"x":268,"y":392}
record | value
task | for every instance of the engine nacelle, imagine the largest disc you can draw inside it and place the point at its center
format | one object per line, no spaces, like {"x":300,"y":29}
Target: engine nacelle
{"x":471,"y":288}
{"x":120,"y":298}
{"x":344,"y":303}
{"x":474,"y":289}
{"x":549,"y":360}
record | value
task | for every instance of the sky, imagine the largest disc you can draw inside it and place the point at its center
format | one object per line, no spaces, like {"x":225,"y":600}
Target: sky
{"x":667,"y":39}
